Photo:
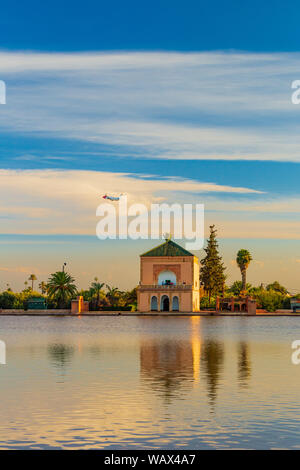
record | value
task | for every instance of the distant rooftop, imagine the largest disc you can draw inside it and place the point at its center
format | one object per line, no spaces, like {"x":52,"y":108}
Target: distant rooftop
{"x":168,"y":248}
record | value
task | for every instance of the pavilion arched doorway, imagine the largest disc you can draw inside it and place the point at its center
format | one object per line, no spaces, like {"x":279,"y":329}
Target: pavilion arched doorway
{"x":165,"y":304}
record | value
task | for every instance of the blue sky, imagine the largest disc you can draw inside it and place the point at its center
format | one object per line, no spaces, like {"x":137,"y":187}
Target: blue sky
{"x":186,"y":102}
{"x":192,"y":25}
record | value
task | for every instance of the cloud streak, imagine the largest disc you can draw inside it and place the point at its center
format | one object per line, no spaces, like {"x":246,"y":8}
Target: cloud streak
{"x":49,"y":201}
{"x":161,"y":105}
{"x":65,"y":202}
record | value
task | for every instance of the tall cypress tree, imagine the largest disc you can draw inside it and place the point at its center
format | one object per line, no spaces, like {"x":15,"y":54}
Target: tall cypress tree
{"x":212,"y":267}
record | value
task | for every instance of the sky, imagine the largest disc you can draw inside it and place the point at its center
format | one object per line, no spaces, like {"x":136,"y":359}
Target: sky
{"x":178,"y":102}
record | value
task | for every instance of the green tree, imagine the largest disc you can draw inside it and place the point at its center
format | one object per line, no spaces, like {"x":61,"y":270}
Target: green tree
{"x":212,"y":272}
{"x":237,"y":287}
{"x":275,"y":286}
{"x":7,"y":299}
{"x":43,"y":287}
{"x":112,"y":295}
{"x":86,"y":294}
{"x":61,"y":288}
{"x":96,"y":289}
{"x":243,"y":259}
{"x":130,"y":297}
{"x":270,"y":300}
{"x":32,"y":278}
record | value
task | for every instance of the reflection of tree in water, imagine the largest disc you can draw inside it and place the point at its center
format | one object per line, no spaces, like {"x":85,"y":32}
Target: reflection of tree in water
{"x":95,"y":351}
{"x":244,"y":364}
{"x":60,"y":354}
{"x":167,"y":366}
{"x":212,"y":357}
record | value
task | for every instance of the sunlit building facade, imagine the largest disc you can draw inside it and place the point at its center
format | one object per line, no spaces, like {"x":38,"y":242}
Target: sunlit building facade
{"x":169,"y":280}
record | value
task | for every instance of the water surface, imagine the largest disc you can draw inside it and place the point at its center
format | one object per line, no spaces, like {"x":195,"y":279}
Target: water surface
{"x":149,"y":382}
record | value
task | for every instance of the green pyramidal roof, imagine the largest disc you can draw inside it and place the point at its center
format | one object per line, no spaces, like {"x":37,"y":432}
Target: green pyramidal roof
{"x":168,"y":248}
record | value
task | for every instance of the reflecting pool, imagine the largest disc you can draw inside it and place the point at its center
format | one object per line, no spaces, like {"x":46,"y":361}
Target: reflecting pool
{"x":149,"y":382}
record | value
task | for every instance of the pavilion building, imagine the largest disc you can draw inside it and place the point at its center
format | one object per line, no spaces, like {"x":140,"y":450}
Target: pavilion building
{"x":169,"y":280}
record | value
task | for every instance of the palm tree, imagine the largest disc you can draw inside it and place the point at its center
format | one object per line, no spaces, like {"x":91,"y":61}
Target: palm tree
{"x":112,"y":294}
{"x":32,"y":278}
{"x":43,"y":287}
{"x":243,"y":259}
{"x":96,"y":288}
{"x":129,"y":298}
{"x":61,"y":288}
{"x":237,"y":287}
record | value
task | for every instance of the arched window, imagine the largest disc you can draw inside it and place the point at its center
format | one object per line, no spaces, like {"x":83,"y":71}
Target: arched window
{"x":175,"y":304}
{"x":153,"y":306}
{"x":166,"y":278}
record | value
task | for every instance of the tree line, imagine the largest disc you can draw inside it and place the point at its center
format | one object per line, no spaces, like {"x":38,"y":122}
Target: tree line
{"x":213,"y":280}
{"x":61,"y":289}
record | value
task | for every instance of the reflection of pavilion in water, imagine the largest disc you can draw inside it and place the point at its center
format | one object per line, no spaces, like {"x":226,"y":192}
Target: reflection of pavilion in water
{"x":244,"y":364}
{"x":213,"y":361}
{"x":167,"y":365}
{"x":172,"y":367}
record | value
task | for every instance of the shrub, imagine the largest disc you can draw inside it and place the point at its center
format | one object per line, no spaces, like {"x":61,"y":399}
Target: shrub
{"x":12,"y":300}
{"x":7,"y":300}
{"x":204,"y":303}
{"x":270,"y":300}
{"x":133,"y":307}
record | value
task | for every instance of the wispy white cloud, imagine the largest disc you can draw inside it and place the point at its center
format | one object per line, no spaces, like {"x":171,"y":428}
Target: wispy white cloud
{"x":49,"y":201}
{"x":264,"y":205}
{"x":21,"y":269}
{"x":27,"y":61}
{"x":167,"y":105}
{"x":65,"y":202}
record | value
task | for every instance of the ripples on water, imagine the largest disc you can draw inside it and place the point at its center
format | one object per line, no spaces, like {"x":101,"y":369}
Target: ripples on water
{"x":142,"y":382}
